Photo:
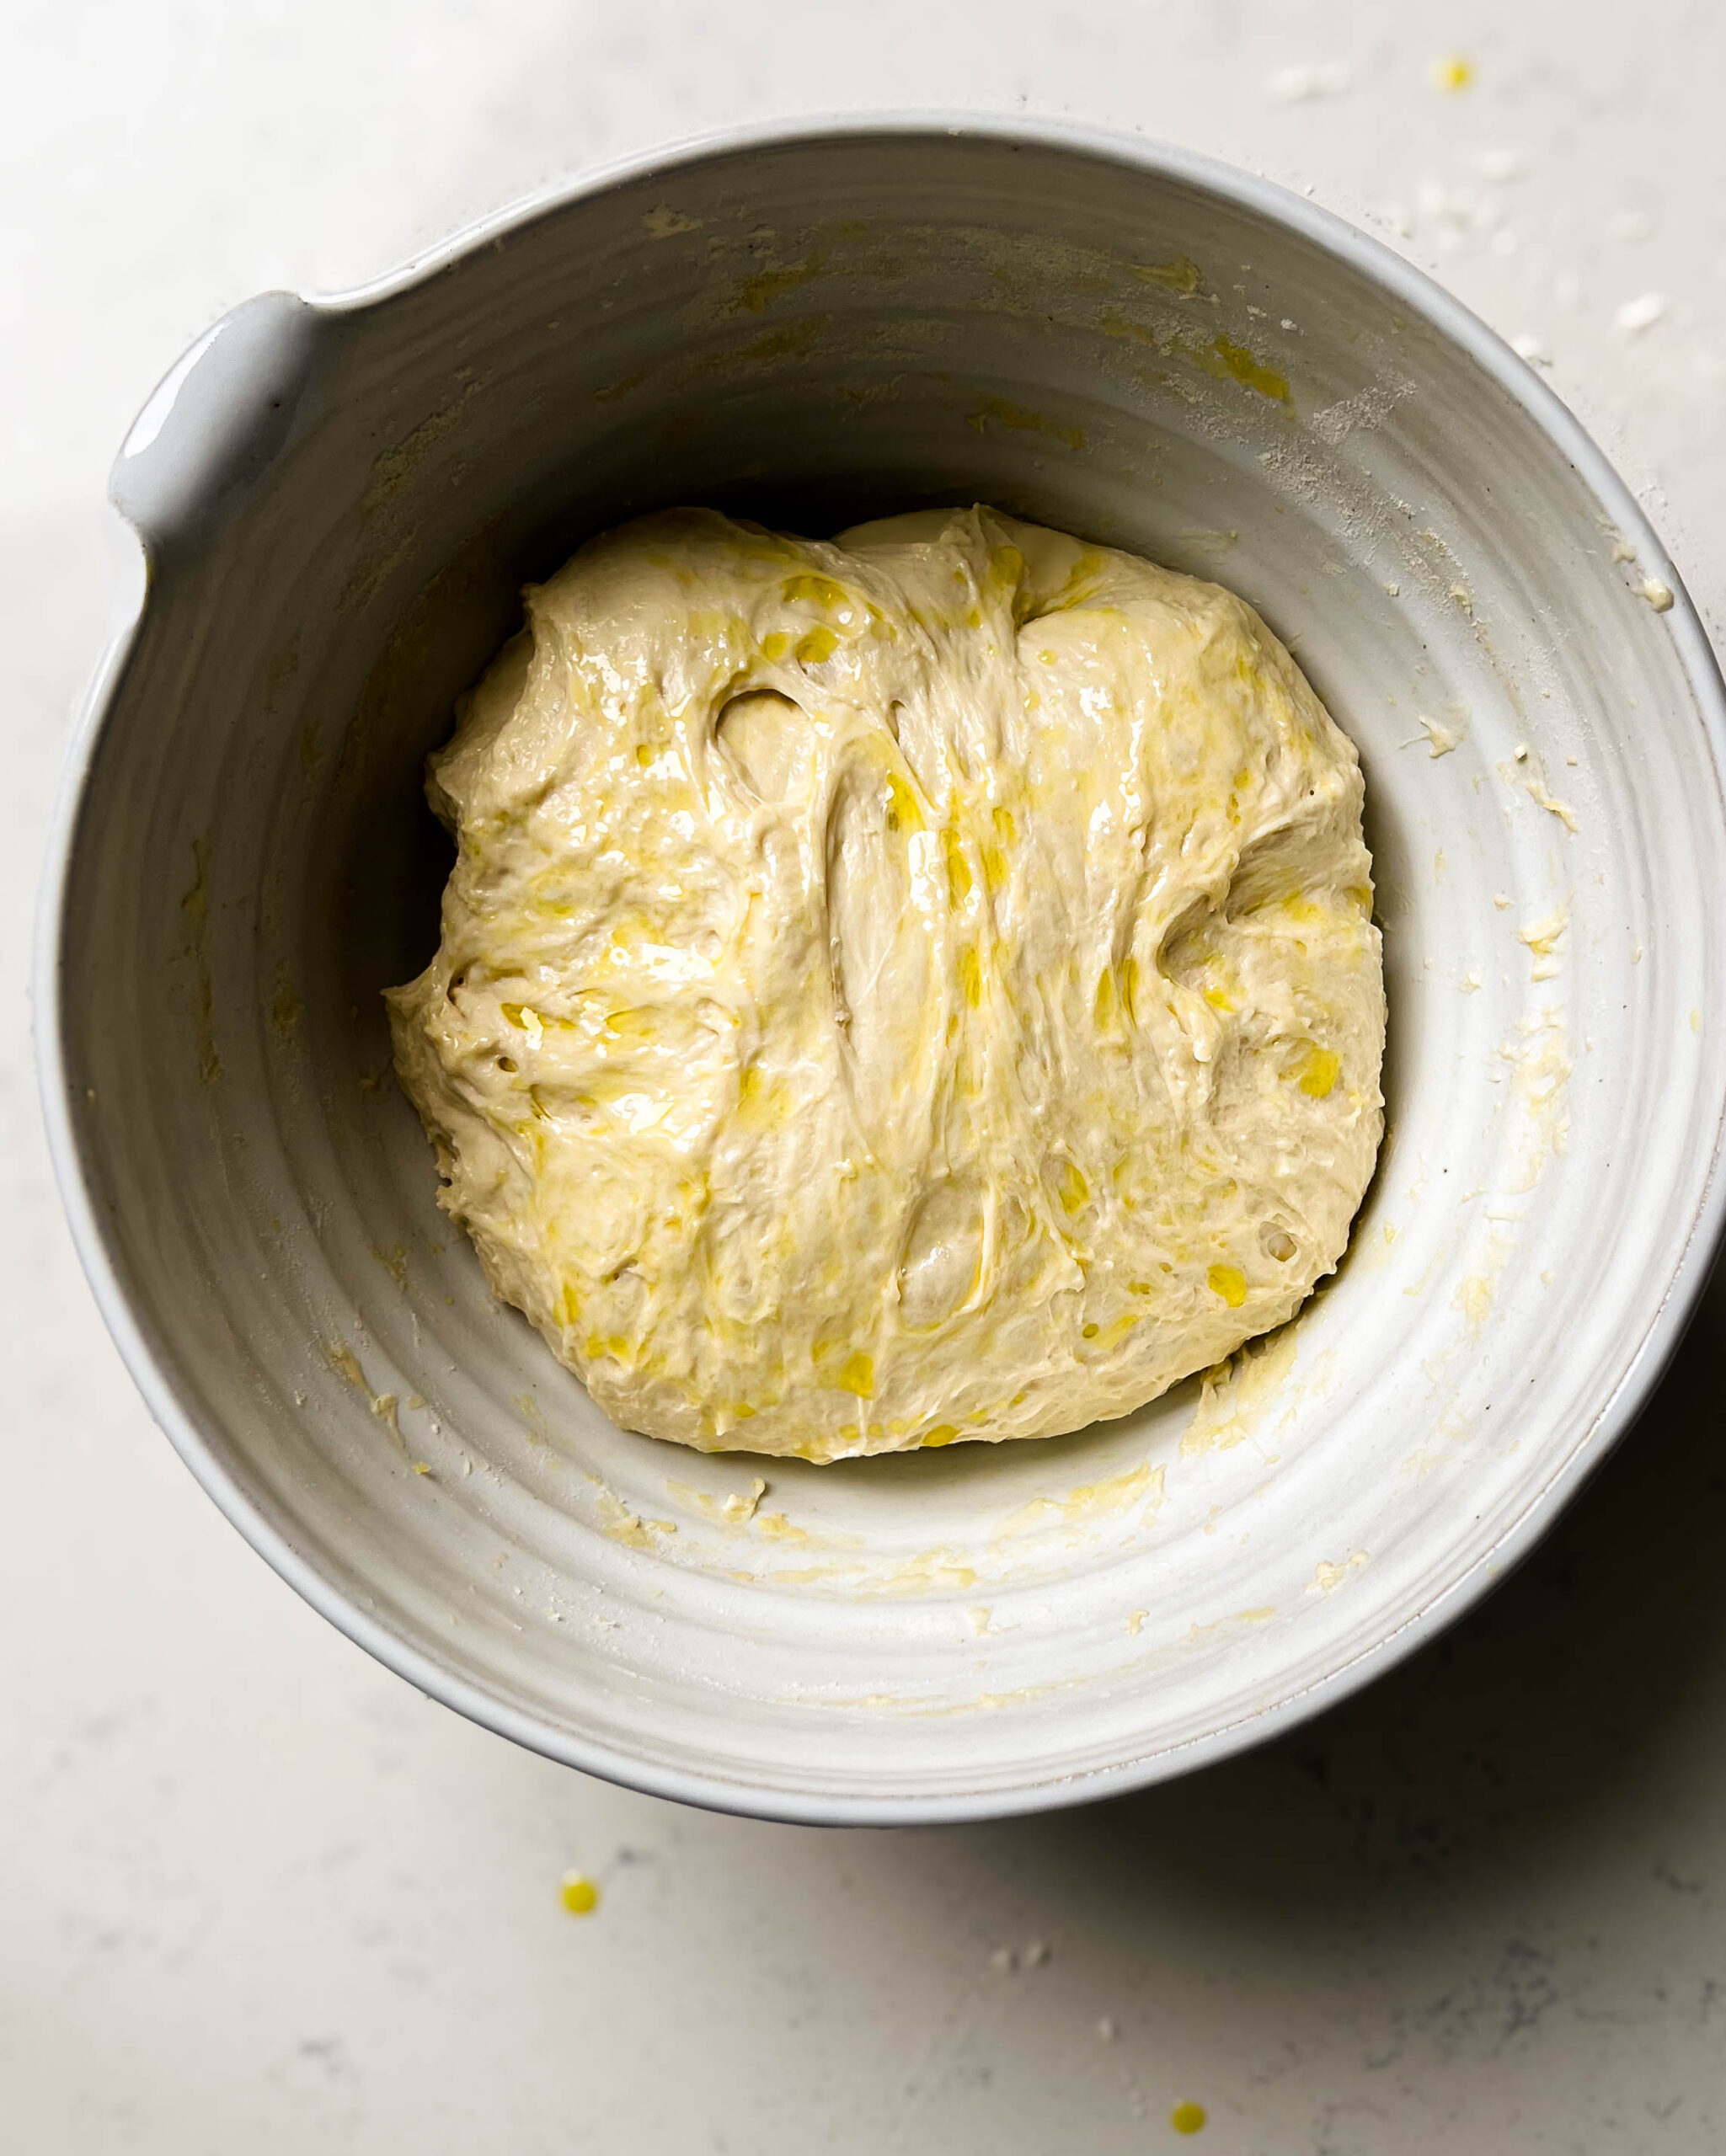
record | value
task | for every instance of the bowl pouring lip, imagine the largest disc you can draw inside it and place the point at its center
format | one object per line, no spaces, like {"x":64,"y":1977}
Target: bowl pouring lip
{"x":200,"y":1447}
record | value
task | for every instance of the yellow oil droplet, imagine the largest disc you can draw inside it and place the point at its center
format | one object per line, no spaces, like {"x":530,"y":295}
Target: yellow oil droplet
{"x":859,"y":1376}
{"x":1319,"y":1073}
{"x":970,"y":977}
{"x":817,"y":647}
{"x":644,"y":754}
{"x":775,"y":645}
{"x":943,"y":1433}
{"x":512,"y":1014}
{"x":1242,"y":365}
{"x":822,"y":589}
{"x":1129,"y":987}
{"x":1217,"y":1001}
{"x":1016,"y":417}
{"x":1187,"y":2118}
{"x":579,"y":1894}
{"x":1089,"y":1331}
{"x":1103,"y":1008}
{"x":1005,"y":825}
{"x":994,"y":867}
{"x":1074,"y":1189}
{"x":1006,"y":565}
{"x":755,"y":294}
{"x":903,"y":814}
{"x":1455,"y":72}
{"x":1181,"y":275}
{"x":1229,"y":1282}
{"x":959,"y":870}
{"x":568,"y":1308}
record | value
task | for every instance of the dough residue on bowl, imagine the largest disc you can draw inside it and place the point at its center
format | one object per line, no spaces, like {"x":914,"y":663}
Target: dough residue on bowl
{"x":917,"y":988}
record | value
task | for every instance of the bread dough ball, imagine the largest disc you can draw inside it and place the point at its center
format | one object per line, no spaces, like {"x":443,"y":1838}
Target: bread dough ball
{"x":914,"y":989}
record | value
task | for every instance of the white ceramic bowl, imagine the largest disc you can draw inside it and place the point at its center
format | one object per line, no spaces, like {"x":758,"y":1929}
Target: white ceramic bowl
{"x":337,"y":501}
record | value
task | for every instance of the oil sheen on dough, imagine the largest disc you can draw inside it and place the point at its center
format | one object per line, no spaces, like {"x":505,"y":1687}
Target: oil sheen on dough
{"x":913,"y":989}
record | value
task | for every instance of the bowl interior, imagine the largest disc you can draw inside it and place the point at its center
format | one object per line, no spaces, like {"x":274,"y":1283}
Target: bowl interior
{"x":810,"y":332}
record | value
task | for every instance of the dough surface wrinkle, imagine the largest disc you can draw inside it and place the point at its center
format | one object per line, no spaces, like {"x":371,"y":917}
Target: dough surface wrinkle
{"x":912,"y":987}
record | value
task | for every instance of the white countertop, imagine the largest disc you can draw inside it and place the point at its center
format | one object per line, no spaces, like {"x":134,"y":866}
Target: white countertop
{"x":255,"y":1893}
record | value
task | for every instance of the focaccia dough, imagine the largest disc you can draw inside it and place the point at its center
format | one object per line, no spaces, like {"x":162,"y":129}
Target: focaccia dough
{"x":917,"y":988}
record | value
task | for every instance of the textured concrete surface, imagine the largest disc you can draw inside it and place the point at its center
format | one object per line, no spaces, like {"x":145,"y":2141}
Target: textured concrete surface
{"x":258,"y":1895}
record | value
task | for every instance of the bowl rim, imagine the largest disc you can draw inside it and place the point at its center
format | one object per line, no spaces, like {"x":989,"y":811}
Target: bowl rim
{"x":1442,"y":311}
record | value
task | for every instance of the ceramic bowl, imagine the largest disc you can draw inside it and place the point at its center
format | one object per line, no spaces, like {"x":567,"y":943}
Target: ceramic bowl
{"x":337,"y":502}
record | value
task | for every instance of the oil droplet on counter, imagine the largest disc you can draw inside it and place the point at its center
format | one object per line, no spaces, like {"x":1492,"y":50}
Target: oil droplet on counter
{"x":1187,"y":2118}
{"x":1453,"y":73}
{"x":578,"y":1894}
